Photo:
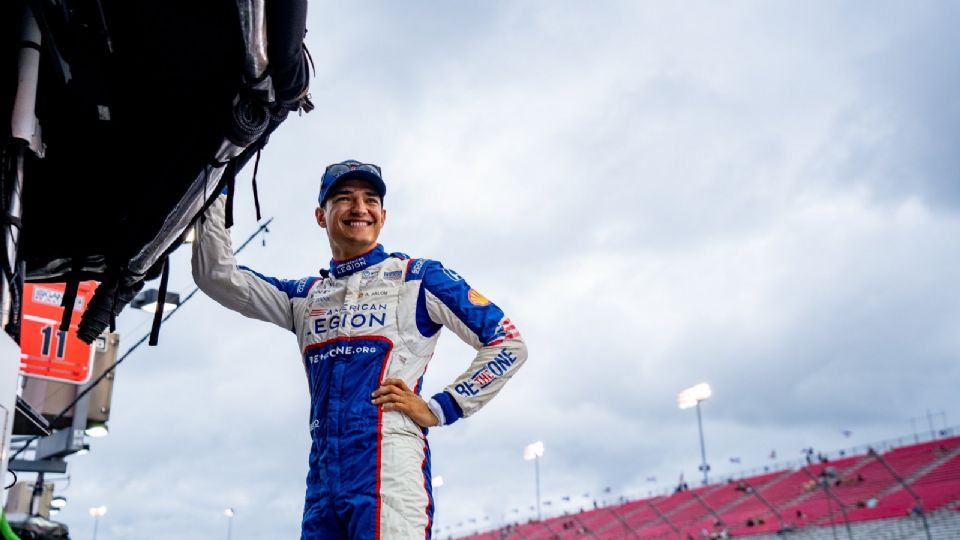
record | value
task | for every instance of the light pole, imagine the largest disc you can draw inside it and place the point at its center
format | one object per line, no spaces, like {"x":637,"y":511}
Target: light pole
{"x":689,"y":398}
{"x":229,"y":513}
{"x":96,"y":512}
{"x":534,"y":451}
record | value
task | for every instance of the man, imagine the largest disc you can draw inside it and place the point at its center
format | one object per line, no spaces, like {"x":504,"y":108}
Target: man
{"x":367,"y":328}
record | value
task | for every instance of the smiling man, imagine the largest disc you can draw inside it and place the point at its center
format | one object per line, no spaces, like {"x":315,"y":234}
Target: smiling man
{"x":367,"y":328}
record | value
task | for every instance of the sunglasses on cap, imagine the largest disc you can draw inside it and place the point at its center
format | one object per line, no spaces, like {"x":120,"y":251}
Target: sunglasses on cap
{"x":338,"y":169}
{"x":353,"y":169}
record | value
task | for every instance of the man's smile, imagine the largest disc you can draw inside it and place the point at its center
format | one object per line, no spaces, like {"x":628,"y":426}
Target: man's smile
{"x":357,"y":223}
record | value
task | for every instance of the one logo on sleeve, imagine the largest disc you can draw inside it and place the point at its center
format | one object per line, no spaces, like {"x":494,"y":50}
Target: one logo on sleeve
{"x":493,"y":370}
{"x":476,"y":298}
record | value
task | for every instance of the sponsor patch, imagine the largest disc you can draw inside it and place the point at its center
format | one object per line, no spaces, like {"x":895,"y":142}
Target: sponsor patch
{"x":322,"y":293}
{"x":483,"y":377}
{"x":51,"y":297}
{"x":395,"y":275}
{"x":350,"y":266}
{"x":476,"y":298}
{"x":302,"y":284}
{"x":505,"y":330}
{"x":452,"y":275}
{"x":368,"y":277}
{"x":352,"y":316}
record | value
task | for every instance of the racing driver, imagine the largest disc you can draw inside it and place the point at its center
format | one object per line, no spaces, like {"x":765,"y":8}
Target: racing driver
{"x":367,"y":328}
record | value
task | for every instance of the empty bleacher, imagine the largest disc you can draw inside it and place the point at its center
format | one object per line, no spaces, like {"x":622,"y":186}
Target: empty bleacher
{"x":871,"y":495}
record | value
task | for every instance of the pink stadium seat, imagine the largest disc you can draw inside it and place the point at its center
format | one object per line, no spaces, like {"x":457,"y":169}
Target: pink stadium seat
{"x":932,"y":469}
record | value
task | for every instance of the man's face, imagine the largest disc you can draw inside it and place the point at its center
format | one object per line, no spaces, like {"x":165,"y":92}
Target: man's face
{"x":353,"y":217}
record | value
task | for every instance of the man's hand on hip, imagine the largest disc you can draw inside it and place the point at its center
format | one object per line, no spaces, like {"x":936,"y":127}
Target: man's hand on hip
{"x":395,"y":395}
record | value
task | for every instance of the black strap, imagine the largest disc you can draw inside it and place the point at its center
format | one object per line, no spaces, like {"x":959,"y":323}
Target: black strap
{"x":69,"y":299}
{"x":30,"y":45}
{"x":13,"y":221}
{"x":230,"y":175}
{"x":256,"y":197}
{"x":206,"y":199}
{"x":161,"y":300}
{"x":104,"y":29}
{"x":113,"y":309}
{"x":9,"y":219}
{"x":310,"y":58}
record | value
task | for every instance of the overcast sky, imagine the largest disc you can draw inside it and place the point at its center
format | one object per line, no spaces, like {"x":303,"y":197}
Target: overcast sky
{"x":760,"y":195}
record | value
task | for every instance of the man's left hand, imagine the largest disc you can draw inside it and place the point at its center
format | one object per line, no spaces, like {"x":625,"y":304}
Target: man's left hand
{"x":395,"y":395}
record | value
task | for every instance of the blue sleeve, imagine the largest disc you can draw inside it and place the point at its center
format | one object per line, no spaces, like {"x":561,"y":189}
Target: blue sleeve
{"x":292,"y":288}
{"x":475,"y":311}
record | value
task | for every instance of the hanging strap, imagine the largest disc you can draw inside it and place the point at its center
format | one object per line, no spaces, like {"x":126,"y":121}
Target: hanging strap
{"x":113,"y":308}
{"x":161,"y":300}
{"x":12,"y":221}
{"x":230,"y":176}
{"x":68,"y":301}
{"x":206,"y":201}
{"x":256,"y":197}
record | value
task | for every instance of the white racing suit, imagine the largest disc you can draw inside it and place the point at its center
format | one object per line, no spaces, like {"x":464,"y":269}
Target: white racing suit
{"x":367,"y":319}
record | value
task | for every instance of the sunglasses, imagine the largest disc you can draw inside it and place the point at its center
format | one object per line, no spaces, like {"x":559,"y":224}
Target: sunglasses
{"x":334,"y":171}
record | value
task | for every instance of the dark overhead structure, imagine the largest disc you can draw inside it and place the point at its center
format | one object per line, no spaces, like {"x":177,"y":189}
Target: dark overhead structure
{"x":145,"y":111}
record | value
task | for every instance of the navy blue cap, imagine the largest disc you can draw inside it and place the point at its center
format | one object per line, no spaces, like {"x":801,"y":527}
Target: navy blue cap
{"x":351,"y":168}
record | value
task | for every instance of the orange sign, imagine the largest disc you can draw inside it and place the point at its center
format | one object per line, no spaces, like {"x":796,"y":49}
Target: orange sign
{"x":45,"y":351}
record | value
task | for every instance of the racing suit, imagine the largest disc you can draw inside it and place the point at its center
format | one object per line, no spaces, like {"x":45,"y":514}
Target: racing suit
{"x":367,"y":319}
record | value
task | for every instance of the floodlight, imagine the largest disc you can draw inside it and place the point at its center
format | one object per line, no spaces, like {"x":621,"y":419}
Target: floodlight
{"x":58,"y":502}
{"x":693,"y":395}
{"x":98,"y":511}
{"x":533,"y":450}
{"x":148,"y":301}
{"x":97,"y":430}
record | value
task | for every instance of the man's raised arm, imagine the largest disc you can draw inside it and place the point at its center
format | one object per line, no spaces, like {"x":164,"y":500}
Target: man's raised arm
{"x":216,"y":273}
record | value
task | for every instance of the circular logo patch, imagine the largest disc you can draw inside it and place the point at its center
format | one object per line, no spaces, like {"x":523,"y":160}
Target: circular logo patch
{"x":476,"y":298}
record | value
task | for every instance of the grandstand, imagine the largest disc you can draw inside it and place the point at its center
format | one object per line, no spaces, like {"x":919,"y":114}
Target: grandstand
{"x":902,"y":492}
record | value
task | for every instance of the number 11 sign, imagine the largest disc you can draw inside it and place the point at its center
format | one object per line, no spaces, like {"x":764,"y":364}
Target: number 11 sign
{"x":46,"y":351}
